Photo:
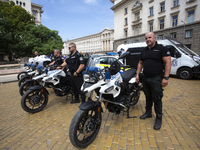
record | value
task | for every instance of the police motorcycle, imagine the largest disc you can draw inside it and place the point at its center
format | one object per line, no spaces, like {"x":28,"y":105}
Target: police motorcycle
{"x":40,"y":74}
{"x":37,"y":61}
{"x":32,"y":64}
{"x":115,"y":88}
{"x":36,"y":97}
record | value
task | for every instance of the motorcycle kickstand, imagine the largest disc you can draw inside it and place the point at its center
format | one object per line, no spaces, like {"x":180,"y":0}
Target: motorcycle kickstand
{"x":128,"y":114}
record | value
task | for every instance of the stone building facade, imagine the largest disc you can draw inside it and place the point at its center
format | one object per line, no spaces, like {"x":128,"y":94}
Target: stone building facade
{"x":101,"y":42}
{"x":179,"y":19}
{"x":32,"y":8}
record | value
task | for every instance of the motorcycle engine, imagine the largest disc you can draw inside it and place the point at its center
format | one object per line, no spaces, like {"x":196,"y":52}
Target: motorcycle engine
{"x":115,"y":107}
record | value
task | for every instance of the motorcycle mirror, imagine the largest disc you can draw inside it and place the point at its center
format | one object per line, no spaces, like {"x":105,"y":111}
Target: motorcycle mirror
{"x":124,"y":55}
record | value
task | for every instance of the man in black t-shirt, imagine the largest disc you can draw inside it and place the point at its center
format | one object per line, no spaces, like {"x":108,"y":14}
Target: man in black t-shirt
{"x":154,"y":59}
{"x":75,"y":64}
{"x":58,"y":59}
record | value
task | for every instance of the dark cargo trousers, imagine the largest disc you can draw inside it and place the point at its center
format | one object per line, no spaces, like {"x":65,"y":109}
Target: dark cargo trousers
{"x":76,"y":83}
{"x":153,"y":92}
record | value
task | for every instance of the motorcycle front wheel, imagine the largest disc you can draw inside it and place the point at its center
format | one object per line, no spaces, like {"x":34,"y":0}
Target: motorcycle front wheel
{"x":22,"y":80}
{"x":19,"y":76}
{"x":34,"y":100}
{"x":84,"y":128}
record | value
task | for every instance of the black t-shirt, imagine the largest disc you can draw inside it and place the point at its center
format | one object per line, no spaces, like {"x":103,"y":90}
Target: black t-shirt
{"x":58,"y":60}
{"x":74,"y":61}
{"x":153,"y":64}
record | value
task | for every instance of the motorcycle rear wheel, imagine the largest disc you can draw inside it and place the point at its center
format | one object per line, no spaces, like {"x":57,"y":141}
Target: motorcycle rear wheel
{"x":34,"y":100}
{"x":135,"y":98}
{"x":84,"y":128}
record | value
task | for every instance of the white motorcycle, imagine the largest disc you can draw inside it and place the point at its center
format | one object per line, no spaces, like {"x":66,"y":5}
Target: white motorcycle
{"x":36,"y":97}
{"x":116,"y":89}
{"x":32,"y":64}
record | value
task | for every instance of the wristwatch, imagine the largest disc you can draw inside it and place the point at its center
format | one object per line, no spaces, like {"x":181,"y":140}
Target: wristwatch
{"x":77,"y":73}
{"x":167,"y":78}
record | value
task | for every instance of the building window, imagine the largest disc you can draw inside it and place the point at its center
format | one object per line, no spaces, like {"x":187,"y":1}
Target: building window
{"x":20,"y":3}
{"x":17,"y":2}
{"x":34,"y":13}
{"x":136,"y":31}
{"x":174,"y":20}
{"x":175,"y":3}
{"x":126,"y":21}
{"x":126,"y":11}
{"x":162,"y":24}
{"x":24,"y":4}
{"x":188,"y":33}
{"x":190,"y":16}
{"x":173,"y":35}
{"x":137,"y":4}
{"x":126,"y":33}
{"x":151,"y":11}
{"x":137,"y":16}
{"x":151,"y":27}
{"x":162,"y":6}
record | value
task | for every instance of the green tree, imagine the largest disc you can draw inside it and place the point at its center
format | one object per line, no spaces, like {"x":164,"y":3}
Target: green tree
{"x":41,"y":39}
{"x":13,"y":20}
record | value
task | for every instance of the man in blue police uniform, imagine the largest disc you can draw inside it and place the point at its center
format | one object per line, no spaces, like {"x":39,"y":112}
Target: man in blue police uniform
{"x":58,"y":59}
{"x":154,"y":59}
{"x":75,"y":64}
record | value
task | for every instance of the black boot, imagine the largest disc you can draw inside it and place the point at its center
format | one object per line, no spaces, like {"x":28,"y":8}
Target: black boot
{"x":158,"y":122}
{"x":147,"y":114}
{"x":77,"y":100}
{"x":83,"y":100}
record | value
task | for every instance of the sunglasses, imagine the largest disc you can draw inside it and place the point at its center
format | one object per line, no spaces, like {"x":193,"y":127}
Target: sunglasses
{"x":70,"y":47}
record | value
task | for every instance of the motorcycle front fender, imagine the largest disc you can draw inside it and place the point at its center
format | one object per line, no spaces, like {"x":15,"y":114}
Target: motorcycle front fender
{"x":89,"y":105}
{"x":29,"y":80}
{"x":39,"y":87}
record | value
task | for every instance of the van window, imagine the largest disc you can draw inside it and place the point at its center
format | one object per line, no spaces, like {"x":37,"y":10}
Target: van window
{"x":172,"y":50}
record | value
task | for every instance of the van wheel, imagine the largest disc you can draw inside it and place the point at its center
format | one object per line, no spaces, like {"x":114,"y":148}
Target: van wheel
{"x":185,"y":73}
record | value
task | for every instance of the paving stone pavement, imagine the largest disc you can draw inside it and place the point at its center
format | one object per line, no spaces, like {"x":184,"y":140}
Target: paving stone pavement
{"x":49,"y":129}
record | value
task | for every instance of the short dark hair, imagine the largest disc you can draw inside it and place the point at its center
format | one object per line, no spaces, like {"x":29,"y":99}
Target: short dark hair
{"x":73,"y":44}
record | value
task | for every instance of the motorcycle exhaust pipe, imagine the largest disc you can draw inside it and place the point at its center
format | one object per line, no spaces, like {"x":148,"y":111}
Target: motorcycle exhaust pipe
{"x":111,"y":102}
{"x":56,"y":88}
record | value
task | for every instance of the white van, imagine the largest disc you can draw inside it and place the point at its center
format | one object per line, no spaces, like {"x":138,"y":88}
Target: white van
{"x":185,"y":63}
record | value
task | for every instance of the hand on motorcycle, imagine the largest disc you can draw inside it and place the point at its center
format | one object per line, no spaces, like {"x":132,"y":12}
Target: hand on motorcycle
{"x":137,"y":79}
{"x":164,"y":82}
{"x":59,"y":67}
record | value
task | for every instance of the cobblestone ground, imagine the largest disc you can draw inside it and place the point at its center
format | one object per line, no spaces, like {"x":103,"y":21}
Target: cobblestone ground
{"x":49,"y":129}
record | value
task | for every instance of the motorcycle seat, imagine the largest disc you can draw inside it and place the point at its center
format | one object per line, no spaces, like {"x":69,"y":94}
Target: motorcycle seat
{"x":127,"y":75}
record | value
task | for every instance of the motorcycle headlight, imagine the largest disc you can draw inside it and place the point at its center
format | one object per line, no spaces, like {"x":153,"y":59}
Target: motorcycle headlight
{"x":92,"y":79}
{"x":86,"y":77}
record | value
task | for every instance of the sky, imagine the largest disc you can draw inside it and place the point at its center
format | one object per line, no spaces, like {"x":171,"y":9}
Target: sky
{"x":76,"y":18}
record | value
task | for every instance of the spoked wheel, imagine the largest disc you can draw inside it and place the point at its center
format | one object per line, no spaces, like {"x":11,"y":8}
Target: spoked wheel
{"x":25,"y":86}
{"x":135,"y":98}
{"x":19,"y":76}
{"x":22,"y":80}
{"x":34,"y":100}
{"x":84,"y":128}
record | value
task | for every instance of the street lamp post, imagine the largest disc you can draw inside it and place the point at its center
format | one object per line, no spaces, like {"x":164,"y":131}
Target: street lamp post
{"x":183,"y":32}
